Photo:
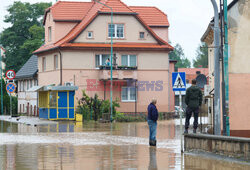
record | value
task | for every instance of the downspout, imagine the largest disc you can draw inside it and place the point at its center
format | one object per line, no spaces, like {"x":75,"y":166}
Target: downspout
{"x":60,"y":66}
{"x":217,"y":109}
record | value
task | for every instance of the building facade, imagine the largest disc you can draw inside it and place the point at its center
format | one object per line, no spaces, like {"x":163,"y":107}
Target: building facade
{"x":77,"y":51}
{"x":26,"y":78}
{"x":239,"y":70}
{"x":2,"y":51}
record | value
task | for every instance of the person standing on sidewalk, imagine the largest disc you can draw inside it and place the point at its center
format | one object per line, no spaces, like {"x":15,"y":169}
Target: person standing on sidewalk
{"x":193,"y":101}
{"x":152,"y":122}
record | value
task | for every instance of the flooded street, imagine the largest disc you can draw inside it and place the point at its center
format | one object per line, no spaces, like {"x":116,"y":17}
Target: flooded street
{"x":73,"y":146}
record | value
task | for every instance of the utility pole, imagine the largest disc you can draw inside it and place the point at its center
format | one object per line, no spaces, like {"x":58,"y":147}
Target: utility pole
{"x":222,"y":69}
{"x":226,"y":68}
{"x":111,"y":61}
{"x":1,"y":82}
{"x":217,"y":117}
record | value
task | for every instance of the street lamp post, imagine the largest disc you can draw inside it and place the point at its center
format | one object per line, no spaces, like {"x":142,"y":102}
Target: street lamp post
{"x":217,"y":117}
{"x":111,"y":62}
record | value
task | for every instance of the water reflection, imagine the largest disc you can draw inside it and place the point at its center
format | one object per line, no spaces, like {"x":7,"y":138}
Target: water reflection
{"x":152,"y":159}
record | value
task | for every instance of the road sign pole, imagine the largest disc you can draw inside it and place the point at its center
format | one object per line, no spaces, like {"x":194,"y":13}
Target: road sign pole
{"x":11,"y":105}
{"x":180,"y":113}
{"x":1,"y":83}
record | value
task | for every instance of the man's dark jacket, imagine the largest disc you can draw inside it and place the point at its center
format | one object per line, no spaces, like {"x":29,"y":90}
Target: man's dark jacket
{"x":152,"y":112}
{"x":193,"y":97}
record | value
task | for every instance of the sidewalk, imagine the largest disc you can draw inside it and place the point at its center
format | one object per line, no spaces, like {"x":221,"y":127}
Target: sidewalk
{"x":27,"y":120}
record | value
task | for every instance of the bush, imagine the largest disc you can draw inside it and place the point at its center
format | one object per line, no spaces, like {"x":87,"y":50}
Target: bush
{"x":121,"y":117}
{"x":94,"y":107}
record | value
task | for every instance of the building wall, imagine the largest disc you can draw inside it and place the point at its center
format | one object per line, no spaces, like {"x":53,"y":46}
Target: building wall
{"x":99,"y":27}
{"x":59,"y":29}
{"x":161,"y":32}
{"x":79,"y":66}
{"x":2,"y":55}
{"x":26,"y":98}
{"x":239,"y":72}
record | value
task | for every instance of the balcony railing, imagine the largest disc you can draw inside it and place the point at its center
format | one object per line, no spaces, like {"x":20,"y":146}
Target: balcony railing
{"x":119,"y":73}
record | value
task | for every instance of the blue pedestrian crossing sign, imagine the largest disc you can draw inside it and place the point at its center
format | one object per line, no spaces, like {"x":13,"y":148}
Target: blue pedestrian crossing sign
{"x":179,"y":81}
{"x":10,"y":87}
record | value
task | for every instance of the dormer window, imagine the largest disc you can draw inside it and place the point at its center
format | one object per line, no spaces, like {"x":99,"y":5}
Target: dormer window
{"x":90,"y":34}
{"x":117,"y":30}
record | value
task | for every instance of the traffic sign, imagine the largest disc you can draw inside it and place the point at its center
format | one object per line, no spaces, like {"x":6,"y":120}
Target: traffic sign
{"x":10,"y":74}
{"x":179,"y":81}
{"x":11,"y":87}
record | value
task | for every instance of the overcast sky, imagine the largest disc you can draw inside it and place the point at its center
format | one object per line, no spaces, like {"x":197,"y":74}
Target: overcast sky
{"x":188,"y":18}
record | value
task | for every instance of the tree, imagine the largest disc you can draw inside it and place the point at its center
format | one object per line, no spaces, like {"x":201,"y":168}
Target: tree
{"x":25,"y":33}
{"x":178,"y":54}
{"x":201,"y":56}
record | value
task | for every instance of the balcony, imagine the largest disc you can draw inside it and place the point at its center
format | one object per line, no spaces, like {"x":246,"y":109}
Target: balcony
{"x":119,"y":73}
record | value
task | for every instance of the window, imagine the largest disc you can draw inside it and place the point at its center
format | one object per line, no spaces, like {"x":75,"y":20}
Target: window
{"x":117,"y":30}
{"x":24,"y":85}
{"x":101,"y":59}
{"x":55,"y":62}
{"x":52,"y":99}
{"x":142,"y":35}
{"x":49,"y":34}
{"x":129,"y":60}
{"x":44,"y":64}
{"x":31,"y":85}
{"x":128,"y":94}
{"x":90,"y":34}
{"x":27,"y":87}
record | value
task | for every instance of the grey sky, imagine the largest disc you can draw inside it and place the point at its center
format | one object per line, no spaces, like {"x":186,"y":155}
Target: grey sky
{"x":188,"y":19}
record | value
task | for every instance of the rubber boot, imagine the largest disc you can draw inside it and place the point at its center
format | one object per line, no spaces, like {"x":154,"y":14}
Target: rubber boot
{"x":153,"y":143}
{"x":150,"y":142}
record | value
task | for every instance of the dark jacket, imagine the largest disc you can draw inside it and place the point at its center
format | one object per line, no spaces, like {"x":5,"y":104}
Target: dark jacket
{"x":193,"y":97}
{"x":152,"y":112}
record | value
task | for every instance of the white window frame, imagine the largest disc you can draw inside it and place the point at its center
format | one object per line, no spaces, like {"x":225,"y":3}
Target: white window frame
{"x":115,"y":31}
{"x":129,"y":100}
{"x":90,"y":37}
{"x":100,"y":59}
{"x":129,"y":60}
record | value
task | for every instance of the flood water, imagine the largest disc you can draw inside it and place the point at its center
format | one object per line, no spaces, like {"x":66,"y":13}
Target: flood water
{"x":77,"y":146}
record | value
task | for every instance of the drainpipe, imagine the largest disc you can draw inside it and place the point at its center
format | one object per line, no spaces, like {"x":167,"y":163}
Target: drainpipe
{"x":217,"y":118}
{"x":60,"y":66}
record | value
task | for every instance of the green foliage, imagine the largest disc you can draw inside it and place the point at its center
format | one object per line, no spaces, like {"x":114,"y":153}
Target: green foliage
{"x":121,"y":117}
{"x":201,"y":56}
{"x":178,"y":54}
{"x":25,"y":33}
{"x":91,"y":107}
{"x":6,"y":101}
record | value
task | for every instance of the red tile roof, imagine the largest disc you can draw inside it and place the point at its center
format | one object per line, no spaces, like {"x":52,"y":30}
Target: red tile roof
{"x":151,"y":15}
{"x":192,"y":71}
{"x":89,"y":15}
{"x":117,"y":6}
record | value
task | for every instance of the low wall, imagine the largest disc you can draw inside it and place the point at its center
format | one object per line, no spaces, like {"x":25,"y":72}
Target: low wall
{"x":235,"y":147}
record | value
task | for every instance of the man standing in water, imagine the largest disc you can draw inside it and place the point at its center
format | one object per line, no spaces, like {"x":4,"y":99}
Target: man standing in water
{"x":152,"y":122}
{"x":193,"y":101}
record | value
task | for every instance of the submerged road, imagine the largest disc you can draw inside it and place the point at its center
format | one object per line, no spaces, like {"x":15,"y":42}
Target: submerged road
{"x":70,"y":145}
